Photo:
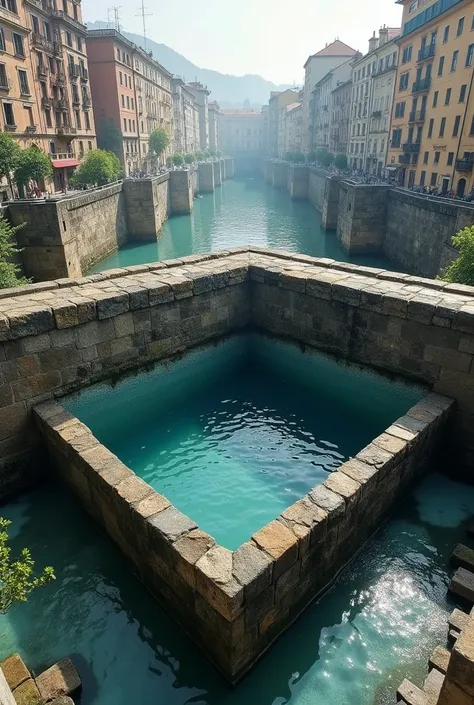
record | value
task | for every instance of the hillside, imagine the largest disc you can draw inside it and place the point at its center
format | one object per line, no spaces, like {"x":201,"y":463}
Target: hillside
{"x":229,"y":91}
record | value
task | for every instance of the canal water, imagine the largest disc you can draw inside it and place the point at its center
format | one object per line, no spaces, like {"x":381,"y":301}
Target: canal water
{"x":235,"y":433}
{"x":378,"y":625}
{"x":243,"y":211}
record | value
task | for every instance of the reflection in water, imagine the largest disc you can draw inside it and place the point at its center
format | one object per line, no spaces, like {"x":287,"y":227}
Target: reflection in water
{"x":381,"y":620}
{"x":241,"y":212}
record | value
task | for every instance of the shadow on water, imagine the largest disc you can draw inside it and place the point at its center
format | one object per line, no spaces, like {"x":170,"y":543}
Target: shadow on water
{"x":382,"y":619}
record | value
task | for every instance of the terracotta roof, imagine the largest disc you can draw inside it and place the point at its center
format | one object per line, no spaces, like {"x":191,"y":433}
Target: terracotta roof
{"x":292,"y":106}
{"x":336,"y":48}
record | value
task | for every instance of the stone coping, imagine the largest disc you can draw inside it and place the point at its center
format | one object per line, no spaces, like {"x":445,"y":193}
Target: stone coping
{"x":236,"y":603}
{"x":64,"y":303}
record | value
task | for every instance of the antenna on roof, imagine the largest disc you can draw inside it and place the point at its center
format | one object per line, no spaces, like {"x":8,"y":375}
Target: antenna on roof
{"x":143,"y":14}
{"x":116,"y":17}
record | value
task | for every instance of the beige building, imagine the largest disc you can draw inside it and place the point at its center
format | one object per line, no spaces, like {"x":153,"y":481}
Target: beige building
{"x":340,"y":118}
{"x":201,"y":97}
{"x":290,"y":129}
{"x":278,"y":100}
{"x":321,"y":105}
{"x":373,"y":82}
{"x":185,"y":119}
{"x":213,"y":109}
{"x":432,"y":129}
{"x":316,"y":67}
{"x":241,"y":132}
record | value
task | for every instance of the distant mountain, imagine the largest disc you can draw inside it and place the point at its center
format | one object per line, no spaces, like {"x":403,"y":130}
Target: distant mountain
{"x":229,"y":91}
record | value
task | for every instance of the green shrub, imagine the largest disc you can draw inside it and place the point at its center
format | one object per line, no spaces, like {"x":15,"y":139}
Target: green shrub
{"x":9,"y":271}
{"x":461,"y":271}
{"x":33,"y":164}
{"x":199,"y":156}
{"x":159,"y":141}
{"x":298,"y":157}
{"x":97,"y":169}
{"x":340,"y":161}
{"x":312,"y":157}
{"x":177,"y":159}
{"x":189,"y":158}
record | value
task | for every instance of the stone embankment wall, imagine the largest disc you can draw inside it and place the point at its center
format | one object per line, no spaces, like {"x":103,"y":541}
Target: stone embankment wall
{"x":415,"y":231}
{"x":66,"y":237}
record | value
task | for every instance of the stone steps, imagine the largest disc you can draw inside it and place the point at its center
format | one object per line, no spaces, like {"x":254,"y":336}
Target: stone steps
{"x":462,"y":585}
{"x":458,"y":620}
{"x":463,"y":557}
{"x":440,"y":659}
{"x":433,"y":683}
{"x":52,"y":686}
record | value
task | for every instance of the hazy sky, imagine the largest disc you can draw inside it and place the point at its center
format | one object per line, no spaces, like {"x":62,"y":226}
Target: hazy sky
{"x":272,"y":38}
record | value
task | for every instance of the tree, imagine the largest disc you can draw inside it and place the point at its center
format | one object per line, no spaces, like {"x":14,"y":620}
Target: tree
{"x":9,"y":156}
{"x":461,"y":271}
{"x":213,"y":153}
{"x":33,"y":164}
{"x":177,"y":159}
{"x":159,"y":140}
{"x":109,"y":137}
{"x":324,"y":157}
{"x":340,"y":161}
{"x":9,"y":271}
{"x":207,"y":154}
{"x":219,"y":153}
{"x":16,"y":581}
{"x":189,"y":158}
{"x":97,"y":168}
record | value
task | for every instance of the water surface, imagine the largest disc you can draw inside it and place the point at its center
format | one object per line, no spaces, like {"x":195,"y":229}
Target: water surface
{"x":243,"y":211}
{"x":234,"y":433}
{"x":377,"y":626}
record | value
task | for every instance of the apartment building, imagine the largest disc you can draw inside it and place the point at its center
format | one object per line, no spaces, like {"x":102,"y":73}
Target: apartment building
{"x":340,"y":117}
{"x":290,"y":129}
{"x":316,"y":67}
{"x":185,"y":118}
{"x":373,"y":80}
{"x":213,"y":110}
{"x":278,"y":100}
{"x":44,"y":81}
{"x":241,"y":132}
{"x":201,"y":96}
{"x":432,"y":130}
{"x":321,"y":105}
{"x":132,"y":90}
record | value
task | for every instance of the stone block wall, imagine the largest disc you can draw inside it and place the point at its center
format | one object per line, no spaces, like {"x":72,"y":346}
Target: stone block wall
{"x":362,"y":217}
{"x":280,"y":175}
{"x":181,"y":191}
{"x":235,"y":604}
{"x":229,"y":168}
{"x":147,"y":206}
{"x":206,"y":177}
{"x":217,"y":172}
{"x":458,"y":685}
{"x":419,"y":231}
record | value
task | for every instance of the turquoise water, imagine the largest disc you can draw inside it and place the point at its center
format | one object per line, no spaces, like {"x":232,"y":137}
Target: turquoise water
{"x":378,"y":625}
{"x":234,"y":433}
{"x":241,"y":212}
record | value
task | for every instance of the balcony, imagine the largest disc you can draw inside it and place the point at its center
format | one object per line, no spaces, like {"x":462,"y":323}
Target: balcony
{"x":74,"y":71}
{"x":84,"y":75}
{"x":466,"y":164}
{"x":31,"y":129}
{"x":76,"y":100}
{"x":47,"y":102}
{"x":412,"y":147}
{"x":422,"y":85}
{"x":417,"y":116}
{"x":65,"y":130}
{"x":10,"y":18}
{"x":377,"y":114}
{"x":62,"y":155}
{"x":404,"y":158}
{"x":43,"y":72}
{"x":61,"y":104}
{"x":10,"y":128}
{"x":86,"y":102}
{"x":40,"y":42}
{"x":46,"y":5}
{"x":58,"y":79}
{"x":427,"y":52}
{"x":60,"y":15}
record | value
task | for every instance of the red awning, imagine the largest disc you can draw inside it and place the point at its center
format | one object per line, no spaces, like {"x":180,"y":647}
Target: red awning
{"x":62,"y":163}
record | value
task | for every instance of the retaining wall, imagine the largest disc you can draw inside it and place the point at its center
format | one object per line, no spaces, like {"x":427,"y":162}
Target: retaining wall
{"x":147,"y":204}
{"x":362,"y":217}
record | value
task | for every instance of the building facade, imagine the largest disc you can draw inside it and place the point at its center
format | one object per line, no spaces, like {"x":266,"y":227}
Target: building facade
{"x":213,"y":109}
{"x":201,"y":97}
{"x":278,"y":100}
{"x":316,"y":67}
{"x":241,"y":132}
{"x":133,"y":91}
{"x":185,"y":119}
{"x":290,"y":129}
{"x":432,"y":129}
{"x":373,"y":77}
{"x":340,"y":118}
{"x":321,"y":105}
{"x":44,"y":81}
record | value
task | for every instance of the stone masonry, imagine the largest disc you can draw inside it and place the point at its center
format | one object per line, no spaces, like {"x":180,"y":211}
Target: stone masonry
{"x":147,"y":203}
{"x":206,"y":177}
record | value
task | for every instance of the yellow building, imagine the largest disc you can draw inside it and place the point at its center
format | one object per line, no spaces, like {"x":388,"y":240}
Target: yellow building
{"x":432,"y":128}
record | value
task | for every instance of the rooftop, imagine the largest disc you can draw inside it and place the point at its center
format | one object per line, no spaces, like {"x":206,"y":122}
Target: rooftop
{"x":336,"y":48}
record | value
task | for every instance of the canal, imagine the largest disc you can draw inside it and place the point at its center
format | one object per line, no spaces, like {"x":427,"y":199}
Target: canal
{"x":243,"y":211}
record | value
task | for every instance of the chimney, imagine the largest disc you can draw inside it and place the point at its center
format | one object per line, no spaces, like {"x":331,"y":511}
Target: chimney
{"x":372,"y":43}
{"x":383,"y":35}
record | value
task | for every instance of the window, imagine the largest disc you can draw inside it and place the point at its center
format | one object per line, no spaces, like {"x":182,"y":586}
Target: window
{"x":454,"y":61}
{"x":422,"y":178}
{"x":470,"y":55}
{"x":128,"y":102}
{"x":74,"y":8}
{"x":90,"y":146}
{"x":47,"y":114}
{"x":472,"y":128}
{"x":77,"y":116}
{"x":124,"y":125}
{"x":88,"y":121}
{"x":472,"y":24}
{"x":457,"y":122}
{"x":396,"y":137}
{"x":121,"y":78}
{"x":9,"y":5}
{"x":446,"y":34}
{"x":400,"y":110}
{"x":118,"y":54}
{"x":407,"y":53}
{"x":448,"y":96}
{"x":3,"y":76}
{"x":442,"y":127}
{"x":18,"y":44}
{"x":131,"y":103}
{"x":69,"y":39}
{"x":436,"y":157}
{"x":23,"y":79}
{"x":462,"y":93}
{"x":79,"y":42}
{"x":434,"y":179}
{"x":35,"y":24}
{"x":47,"y":31}
{"x":129,"y":125}
{"x":404,"y":81}
{"x":460,"y":27}
{"x":2,"y":40}
{"x":441,"y":66}
{"x":435,"y":99}
{"x":9,"y":115}
{"x":430,"y":128}
{"x":123,"y":101}
{"x":426,"y":156}
{"x":450,"y":159}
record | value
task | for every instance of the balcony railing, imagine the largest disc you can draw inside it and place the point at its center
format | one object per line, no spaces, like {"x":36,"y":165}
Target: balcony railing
{"x":60,"y":15}
{"x":61,"y":104}
{"x":404,"y":158}
{"x":31,"y":129}
{"x":74,"y":71}
{"x":466,"y":164}
{"x":427,"y":52}
{"x":47,"y":102}
{"x":10,"y":128}
{"x":86,"y":102}
{"x":63,"y":155}
{"x":58,"y":79}
{"x":422,"y":85}
{"x":84,"y":74}
{"x":412,"y":147}
{"x":42,"y":43}
{"x":42,"y":71}
{"x":76,"y":100}
{"x":64,"y":130}
{"x":417,"y":116}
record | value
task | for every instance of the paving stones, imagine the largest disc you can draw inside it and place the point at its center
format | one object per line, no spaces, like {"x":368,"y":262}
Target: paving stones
{"x":15,"y":671}
{"x":28,"y":694}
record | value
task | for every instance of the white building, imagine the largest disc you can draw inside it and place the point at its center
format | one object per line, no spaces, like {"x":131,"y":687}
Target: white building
{"x":241,"y":132}
{"x":316,"y":67}
{"x":185,"y":118}
{"x":321,"y":107}
{"x":373,"y":83}
{"x":290,"y":129}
